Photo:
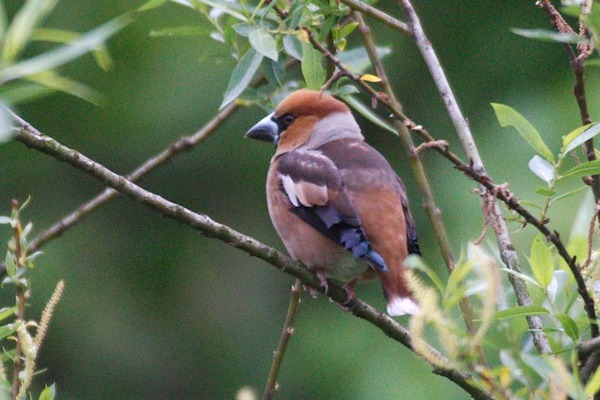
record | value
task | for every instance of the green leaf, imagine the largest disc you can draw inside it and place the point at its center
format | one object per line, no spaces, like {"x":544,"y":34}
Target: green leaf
{"x":593,"y":385}
{"x":592,"y":21}
{"x":545,"y":192}
{"x":312,"y":67}
{"x":227,"y":8}
{"x":585,"y":169}
{"x":242,"y":75}
{"x":569,"y":326}
{"x":368,"y":113}
{"x":508,"y":116}
{"x":149,"y":5}
{"x":593,"y":63}
{"x":23,"y":24}
{"x":49,"y":393}
{"x":521,"y":311}
{"x":292,"y":46}
{"x":66,"y":85}
{"x":7,"y":312}
{"x":568,"y":194}
{"x":3,"y":22}
{"x":548,"y":35}
{"x":63,"y":36}
{"x":357,"y":60}
{"x":264,"y":43}
{"x":579,"y":136}
{"x":541,"y":261}
{"x":184,"y":30}
{"x":8,"y":330}
{"x":57,"y":57}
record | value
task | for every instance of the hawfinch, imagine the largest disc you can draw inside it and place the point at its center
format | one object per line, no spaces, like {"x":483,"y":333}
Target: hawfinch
{"x":336,"y":203}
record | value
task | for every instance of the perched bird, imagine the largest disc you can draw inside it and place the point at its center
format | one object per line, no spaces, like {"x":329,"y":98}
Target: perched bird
{"x":335,"y":201}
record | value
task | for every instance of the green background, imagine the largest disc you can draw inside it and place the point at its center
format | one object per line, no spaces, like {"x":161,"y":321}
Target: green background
{"x":153,"y":310}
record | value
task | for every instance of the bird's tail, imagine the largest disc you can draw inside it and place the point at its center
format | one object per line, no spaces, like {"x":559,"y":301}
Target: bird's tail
{"x":397,"y":292}
{"x":397,"y":306}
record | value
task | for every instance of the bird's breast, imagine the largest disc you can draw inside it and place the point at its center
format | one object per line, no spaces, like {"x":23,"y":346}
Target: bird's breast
{"x":303,"y":242}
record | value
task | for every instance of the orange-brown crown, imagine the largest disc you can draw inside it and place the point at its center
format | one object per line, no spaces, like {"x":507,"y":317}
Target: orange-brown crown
{"x":307,"y":107}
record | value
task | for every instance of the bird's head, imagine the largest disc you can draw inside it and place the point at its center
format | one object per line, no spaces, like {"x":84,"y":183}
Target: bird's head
{"x":306,"y":118}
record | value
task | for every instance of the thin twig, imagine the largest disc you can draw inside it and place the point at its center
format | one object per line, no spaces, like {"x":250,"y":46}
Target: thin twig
{"x":586,"y":348}
{"x":211,"y":228}
{"x":507,"y":249}
{"x":377,"y":15}
{"x":286,"y":333}
{"x":577,"y":60}
{"x":185,"y":143}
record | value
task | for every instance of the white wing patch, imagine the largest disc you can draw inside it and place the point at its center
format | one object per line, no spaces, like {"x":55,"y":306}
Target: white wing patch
{"x":304,"y":193}
{"x":288,"y":186}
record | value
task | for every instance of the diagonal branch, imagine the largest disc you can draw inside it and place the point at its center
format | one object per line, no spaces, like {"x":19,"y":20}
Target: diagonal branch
{"x":576,"y":60}
{"x":185,"y":143}
{"x":32,"y":138}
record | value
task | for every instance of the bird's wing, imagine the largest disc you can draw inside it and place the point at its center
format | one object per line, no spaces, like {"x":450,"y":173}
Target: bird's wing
{"x":411,"y":230}
{"x":314,"y":186}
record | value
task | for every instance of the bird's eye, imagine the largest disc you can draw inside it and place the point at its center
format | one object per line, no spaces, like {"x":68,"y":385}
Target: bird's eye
{"x":284,"y":121}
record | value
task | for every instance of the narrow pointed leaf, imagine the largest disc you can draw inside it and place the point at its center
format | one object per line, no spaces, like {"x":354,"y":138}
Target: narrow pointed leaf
{"x":593,"y":385}
{"x":370,"y":78}
{"x":312,"y":67}
{"x":55,"y":58}
{"x":569,"y":326}
{"x":149,"y":5}
{"x":579,"y":136}
{"x":292,"y":46}
{"x":57,"y":82}
{"x":540,"y":259}
{"x":49,"y":393}
{"x":548,"y":35}
{"x":242,"y":75}
{"x":368,"y":113}
{"x":521,"y":311}
{"x":508,"y":116}
{"x":264,"y":43}
{"x":584,"y":169}
{"x":357,"y":60}
{"x":23,"y":24}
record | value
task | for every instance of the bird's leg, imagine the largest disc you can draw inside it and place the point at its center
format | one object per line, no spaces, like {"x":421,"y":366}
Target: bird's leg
{"x":314,"y":293}
{"x":349,"y":289}
{"x":321,"y":275}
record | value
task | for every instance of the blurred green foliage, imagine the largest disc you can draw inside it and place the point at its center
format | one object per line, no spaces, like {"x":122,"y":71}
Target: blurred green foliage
{"x":151,"y":309}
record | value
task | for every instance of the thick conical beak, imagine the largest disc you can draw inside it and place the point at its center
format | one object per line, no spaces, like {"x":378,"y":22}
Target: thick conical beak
{"x":265,"y":130}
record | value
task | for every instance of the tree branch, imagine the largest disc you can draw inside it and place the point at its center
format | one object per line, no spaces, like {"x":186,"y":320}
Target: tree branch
{"x":577,"y":65}
{"x":286,"y":334}
{"x":213,"y":229}
{"x":378,"y":15}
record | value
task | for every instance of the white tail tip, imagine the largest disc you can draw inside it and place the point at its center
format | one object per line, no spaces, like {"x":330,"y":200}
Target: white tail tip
{"x":402,"y":305}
